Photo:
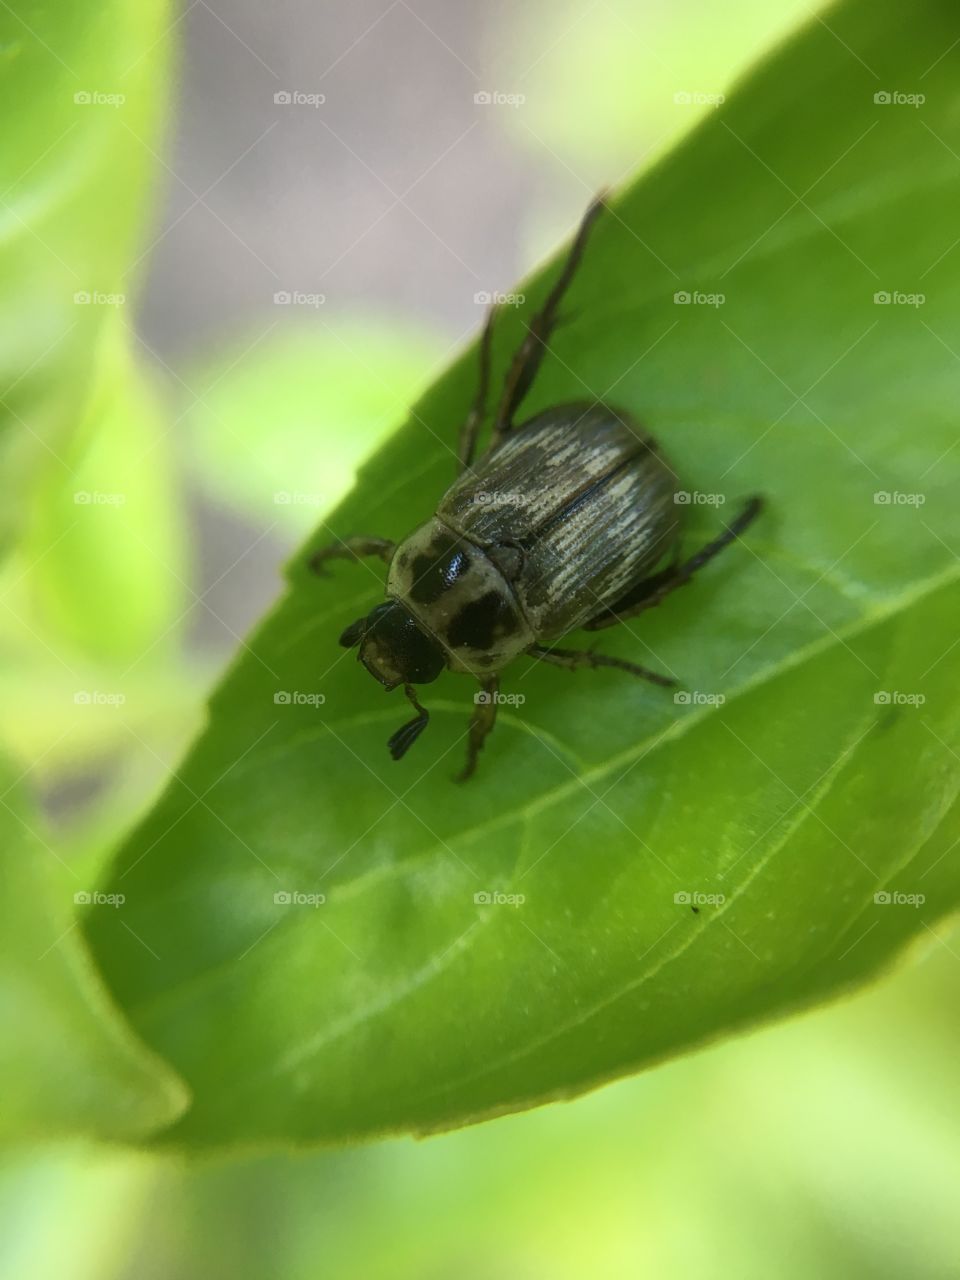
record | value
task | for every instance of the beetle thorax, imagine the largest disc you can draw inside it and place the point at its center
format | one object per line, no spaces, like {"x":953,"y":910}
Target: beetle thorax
{"x":460,"y":597}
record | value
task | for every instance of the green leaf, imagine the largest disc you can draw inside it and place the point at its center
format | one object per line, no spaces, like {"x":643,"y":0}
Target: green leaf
{"x":85,"y":85}
{"x":101,"y":563}
{"x":69,"y":1065}
{"x":822,"y":780}
{"x":581,"y":68}
{"x":279,"y":430}
{"x":82,"y":89}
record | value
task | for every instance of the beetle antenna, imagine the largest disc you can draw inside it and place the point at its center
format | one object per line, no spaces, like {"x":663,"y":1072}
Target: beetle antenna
{"x":354,"y":633}
{"x":404,"y":738}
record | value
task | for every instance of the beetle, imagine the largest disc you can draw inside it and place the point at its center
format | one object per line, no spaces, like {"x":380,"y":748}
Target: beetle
{"x":569,"y":520}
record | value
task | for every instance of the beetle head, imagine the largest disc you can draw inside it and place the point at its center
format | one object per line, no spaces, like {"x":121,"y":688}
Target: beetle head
{"x":395,"y":650}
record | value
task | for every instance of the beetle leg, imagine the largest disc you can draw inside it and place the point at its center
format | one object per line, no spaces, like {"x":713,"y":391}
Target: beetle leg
{"x":650,"y":592}
{"x":481,"y":722}
{"x":471,"y":428}
{"x":531,"y":351}
{"x":400,"y":742}
{"x":352,"y":549}
{"x":571,"y":659}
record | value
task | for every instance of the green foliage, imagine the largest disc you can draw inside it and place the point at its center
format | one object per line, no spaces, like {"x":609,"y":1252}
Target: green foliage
{"x":581,"y":101}
{"x":278,"y":430}
{"x":69,"y":1065}
{"x":82,"y":89}
{"x":73,"y":186}
{"x":103,"y":553}
{"x":84,"y":447}
{"x":401,"y":1003}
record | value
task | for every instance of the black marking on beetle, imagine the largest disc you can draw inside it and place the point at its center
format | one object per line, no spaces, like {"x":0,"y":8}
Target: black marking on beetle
{"x":433,"y":575}
{"x":482,"y":621}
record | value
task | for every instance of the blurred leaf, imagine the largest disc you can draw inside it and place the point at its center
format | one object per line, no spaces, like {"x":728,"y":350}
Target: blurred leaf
{"x":829,"y":1142}
{"x":85,"y":85}
{"x":76,"y":1210}
{"x":46,"y":720}
{"x":822,"y":780}
{"x":69,"y":1066}
{"x":82,"y":89}
{"x":103,"y":559}
{"x":281,"y":429}
{"x":580,"y":67}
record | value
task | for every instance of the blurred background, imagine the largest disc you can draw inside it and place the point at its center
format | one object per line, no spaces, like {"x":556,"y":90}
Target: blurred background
{"x":341,"y":189}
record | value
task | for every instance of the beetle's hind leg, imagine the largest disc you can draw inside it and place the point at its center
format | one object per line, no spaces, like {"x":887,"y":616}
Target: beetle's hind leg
{"x":467,"y":446}
{"x":650,"y":592}
{"x":571,"y":659}
{"x":352,"y":549}
{"x":531,"y":351}
{"x":481,"y":723}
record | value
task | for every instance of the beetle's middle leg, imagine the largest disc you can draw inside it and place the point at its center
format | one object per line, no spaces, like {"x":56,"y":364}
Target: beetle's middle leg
{"x":571,"y":659}
{"x":650,"y":592}
{"x":481,"y":723}
{"x":352,"y":549}
{"x":531,"y":351}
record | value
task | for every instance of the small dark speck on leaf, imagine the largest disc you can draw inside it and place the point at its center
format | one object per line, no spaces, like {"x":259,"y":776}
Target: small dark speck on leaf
{"x":888,"y":718}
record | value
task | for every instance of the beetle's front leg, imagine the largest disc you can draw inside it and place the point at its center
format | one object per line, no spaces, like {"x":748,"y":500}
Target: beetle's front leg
{"x":571,"y":659}
{"x":481,"y":723}
{"x":352,"y":549}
